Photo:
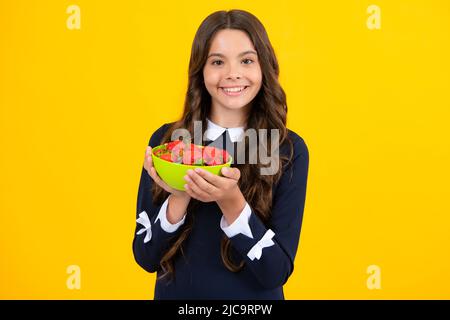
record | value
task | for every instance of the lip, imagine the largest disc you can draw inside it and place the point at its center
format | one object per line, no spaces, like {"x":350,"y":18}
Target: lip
{"x":233,"y":94}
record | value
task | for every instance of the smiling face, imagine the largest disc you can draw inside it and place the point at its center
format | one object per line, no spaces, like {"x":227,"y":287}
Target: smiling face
{"x":232,"y":73}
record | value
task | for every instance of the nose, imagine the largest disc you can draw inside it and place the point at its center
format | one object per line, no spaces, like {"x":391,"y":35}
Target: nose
{"x":233,"y":72}
{"x":233,"y":76}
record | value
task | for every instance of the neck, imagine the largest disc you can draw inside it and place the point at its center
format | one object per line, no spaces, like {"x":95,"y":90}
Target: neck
{"x":229,"y":118}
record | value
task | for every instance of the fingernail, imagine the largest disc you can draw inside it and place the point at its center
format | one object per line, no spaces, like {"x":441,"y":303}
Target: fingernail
{"x":198,"y":170}
{"x":187,"y":178}
{"x":225,"y":170}
{"x":189,"y":172}
{"x":186,"y":186}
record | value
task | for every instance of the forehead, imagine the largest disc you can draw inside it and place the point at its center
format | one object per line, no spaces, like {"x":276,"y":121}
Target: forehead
{"x":231,"y":42}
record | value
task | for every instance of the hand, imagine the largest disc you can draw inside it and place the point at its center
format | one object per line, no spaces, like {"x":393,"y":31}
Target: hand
{"x":207,"y":187}
{"x":148,"y":165}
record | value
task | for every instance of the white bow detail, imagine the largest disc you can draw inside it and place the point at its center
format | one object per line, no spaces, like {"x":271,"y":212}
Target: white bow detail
{"x":266,"y":241}
{"x":145,"y":221}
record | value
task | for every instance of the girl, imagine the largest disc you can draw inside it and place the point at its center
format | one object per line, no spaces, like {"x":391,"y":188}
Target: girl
{"x":233,"y":236}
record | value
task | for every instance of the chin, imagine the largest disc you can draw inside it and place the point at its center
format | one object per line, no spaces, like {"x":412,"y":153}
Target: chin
{"x":235,"y":106}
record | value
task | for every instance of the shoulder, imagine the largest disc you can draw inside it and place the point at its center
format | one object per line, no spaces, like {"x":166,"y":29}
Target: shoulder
{"x":158,"y":134}
{"x":298,"y":144}
{"x":295,"y":154}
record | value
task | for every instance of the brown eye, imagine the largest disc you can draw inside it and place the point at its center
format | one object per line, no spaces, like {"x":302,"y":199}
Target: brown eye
{"x":250,"y":61}
{"x":214,"y":62}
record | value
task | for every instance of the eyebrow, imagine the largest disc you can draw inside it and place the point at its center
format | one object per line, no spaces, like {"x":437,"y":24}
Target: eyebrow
{"x":240,"y":54}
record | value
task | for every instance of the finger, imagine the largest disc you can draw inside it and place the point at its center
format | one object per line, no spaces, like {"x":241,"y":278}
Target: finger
{"x":152,"y":172}
{"x":201,"y":183}
{"x":232,"y":173}
{"x":193,"y":194}
{"x":191,"y":184}
{"x":148,"y":152}
{"x":190,"y":192}
{"x":237,"y":173}
{"x":148,"y":163}
{"x":213,"y":179}
{"x":150,"y":160}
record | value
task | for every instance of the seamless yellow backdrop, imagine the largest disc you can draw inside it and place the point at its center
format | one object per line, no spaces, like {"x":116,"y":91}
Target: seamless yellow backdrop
{"x":78,"y":107}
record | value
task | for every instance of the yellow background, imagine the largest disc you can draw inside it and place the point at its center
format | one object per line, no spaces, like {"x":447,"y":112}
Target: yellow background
{"x":78,"y":108}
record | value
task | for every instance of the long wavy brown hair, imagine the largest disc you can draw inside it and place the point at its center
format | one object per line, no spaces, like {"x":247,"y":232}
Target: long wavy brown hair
{"x":268,"y":111}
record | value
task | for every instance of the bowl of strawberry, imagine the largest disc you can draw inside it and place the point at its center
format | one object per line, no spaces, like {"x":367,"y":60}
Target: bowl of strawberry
{"x":173,"y":159}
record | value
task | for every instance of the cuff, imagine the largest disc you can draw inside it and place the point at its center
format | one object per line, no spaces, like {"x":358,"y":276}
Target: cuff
{"x":265,"y":242}
{"x":240,"y":225}
{"x":162,"y":216}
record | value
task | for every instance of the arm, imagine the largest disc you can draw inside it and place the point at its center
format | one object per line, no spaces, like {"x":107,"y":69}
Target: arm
{"x":276,"y":263}
{"x":162,"y":221}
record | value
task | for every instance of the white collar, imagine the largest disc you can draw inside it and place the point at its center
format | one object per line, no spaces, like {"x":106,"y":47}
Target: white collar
{"x":214,"y":131}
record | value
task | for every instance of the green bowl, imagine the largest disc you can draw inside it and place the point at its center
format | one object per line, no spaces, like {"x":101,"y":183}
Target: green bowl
{"x":173,"y":173}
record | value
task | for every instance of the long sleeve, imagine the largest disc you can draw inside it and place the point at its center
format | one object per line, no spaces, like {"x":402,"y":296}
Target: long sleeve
{"x":165,"y":224}
{"x":269,"y":252}
{"x":240,"y":225}
{"x":152,"y":236}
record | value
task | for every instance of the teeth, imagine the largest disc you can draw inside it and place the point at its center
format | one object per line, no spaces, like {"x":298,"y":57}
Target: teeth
{"x":237,"y":89}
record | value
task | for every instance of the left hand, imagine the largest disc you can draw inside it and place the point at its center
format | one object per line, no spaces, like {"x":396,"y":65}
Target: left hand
{"x":207,"y":187}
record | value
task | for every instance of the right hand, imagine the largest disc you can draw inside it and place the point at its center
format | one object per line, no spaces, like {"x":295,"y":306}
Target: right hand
{"x":148,"y":165}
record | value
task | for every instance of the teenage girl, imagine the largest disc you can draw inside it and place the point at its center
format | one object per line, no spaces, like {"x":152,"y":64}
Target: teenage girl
{"x":233,"y":236}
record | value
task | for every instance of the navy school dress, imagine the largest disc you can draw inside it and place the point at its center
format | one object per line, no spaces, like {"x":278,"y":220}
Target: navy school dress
{"x":200,"y":272}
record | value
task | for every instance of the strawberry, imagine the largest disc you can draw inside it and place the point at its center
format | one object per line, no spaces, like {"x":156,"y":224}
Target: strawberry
{"x":213,"y":156}
{"x":166,"y":156}
{"x":177,"y":157}
{"x":171,"y":145}
{"x":225,"y":156}
{"x":176,"y":148}
{"x":192,"y":155}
